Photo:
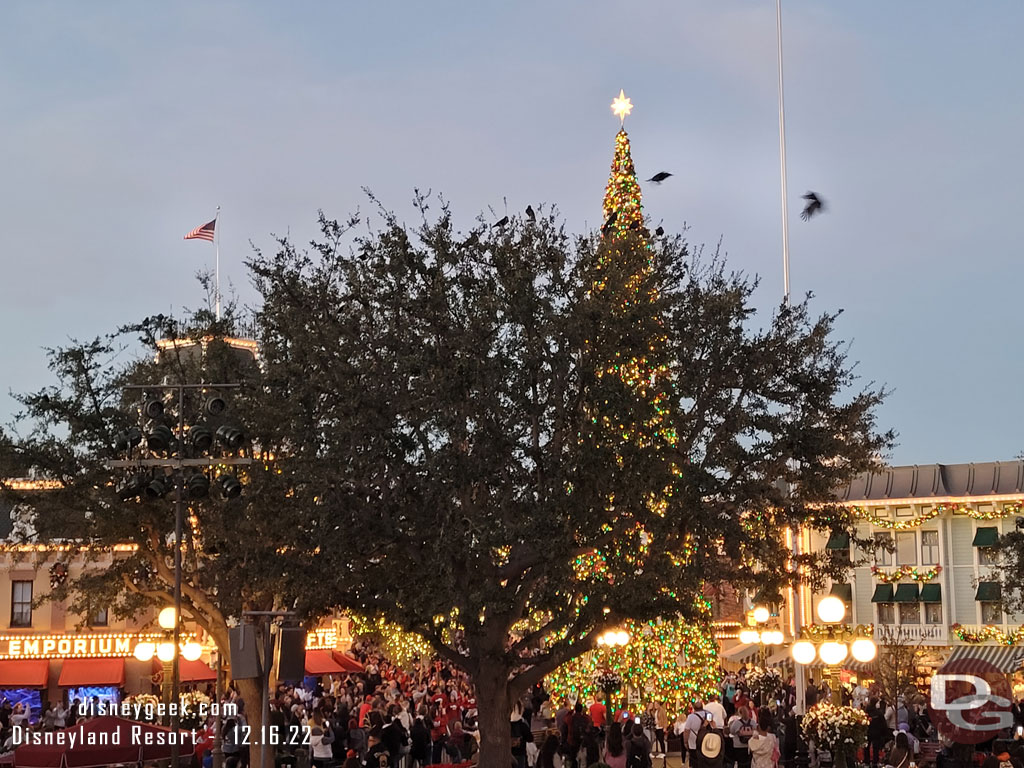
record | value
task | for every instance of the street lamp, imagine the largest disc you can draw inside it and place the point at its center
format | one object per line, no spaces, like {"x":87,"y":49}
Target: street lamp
{"x":611,"y":639}
{"x":835,"y":643}
{"x":831,"y":610}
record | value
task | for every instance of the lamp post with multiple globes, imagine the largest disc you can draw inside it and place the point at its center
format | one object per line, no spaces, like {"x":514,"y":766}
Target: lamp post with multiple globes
{"x":166,"y":652}
{"x":611,"y":639}
{"x":759,"y":634}
{"x":835,"y":644}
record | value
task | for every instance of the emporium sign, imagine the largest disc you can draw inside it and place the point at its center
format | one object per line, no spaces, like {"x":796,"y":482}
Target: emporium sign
{"x":79,"y":646}
{"x":97,"y":645}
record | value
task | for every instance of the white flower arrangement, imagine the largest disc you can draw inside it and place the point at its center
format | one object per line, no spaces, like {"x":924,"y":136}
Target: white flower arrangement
{"x":832,"y":727}
{"x":764,"y":682}
{"x":145,"y":706}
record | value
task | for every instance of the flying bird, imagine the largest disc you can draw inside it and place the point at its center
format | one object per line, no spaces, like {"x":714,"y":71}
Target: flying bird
{"x":659,"y":231}
{"x":530,"y":214}
{"x":814,"y":205}
{"x":659,"y":177}
{"x":500,"y":222}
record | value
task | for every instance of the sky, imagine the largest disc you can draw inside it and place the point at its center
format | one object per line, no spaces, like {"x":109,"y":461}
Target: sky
{"x":126,"y":124}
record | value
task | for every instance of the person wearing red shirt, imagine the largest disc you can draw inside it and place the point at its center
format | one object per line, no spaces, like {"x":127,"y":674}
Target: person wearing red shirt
{"x":438,"y":733}
{"x":364,"y":710}
{"x":598,"y":713}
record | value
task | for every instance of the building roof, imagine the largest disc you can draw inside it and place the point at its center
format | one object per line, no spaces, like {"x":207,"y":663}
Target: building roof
{"x":937,"y":481}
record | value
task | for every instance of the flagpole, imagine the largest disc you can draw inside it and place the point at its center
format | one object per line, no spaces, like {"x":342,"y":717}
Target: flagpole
{"x":796,"y":592}
{"x":782,"y":161}
{"x":216,"y":246}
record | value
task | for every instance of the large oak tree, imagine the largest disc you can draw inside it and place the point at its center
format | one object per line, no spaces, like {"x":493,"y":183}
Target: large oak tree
{"x":517,"y":437}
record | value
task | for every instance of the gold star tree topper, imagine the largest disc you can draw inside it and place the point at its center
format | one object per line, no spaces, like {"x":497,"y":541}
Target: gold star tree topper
{"x":622,"y":106}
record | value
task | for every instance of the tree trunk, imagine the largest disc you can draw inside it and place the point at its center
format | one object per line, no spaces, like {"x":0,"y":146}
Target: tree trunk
{"x":494,"y":705}
{"x":252,"y":695}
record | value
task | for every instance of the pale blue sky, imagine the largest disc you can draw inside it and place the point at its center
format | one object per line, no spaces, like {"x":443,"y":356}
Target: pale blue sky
{"x":125,"y":124}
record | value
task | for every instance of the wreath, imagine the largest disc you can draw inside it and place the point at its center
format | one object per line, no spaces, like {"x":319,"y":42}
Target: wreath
{"x":58,"y":575}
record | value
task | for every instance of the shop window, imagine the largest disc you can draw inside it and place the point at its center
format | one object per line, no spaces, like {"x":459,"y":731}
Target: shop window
{"x":21,"y":603}
{"x":910,"y":613}
{"x":883,"y":544}
{"x":906,"y":548}
{"x":929,"y":547}
{"x":991,"y":613}
{"x":886,"y":613}
{"x":933,"y":613}
{"x":988,"y":556}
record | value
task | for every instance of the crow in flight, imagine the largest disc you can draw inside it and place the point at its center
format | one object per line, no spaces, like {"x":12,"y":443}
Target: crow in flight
{"x":659,"y":177}
{"x":814,"y":205}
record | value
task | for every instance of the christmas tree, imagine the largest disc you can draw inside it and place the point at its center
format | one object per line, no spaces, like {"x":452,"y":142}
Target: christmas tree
{"x":667,"y":660}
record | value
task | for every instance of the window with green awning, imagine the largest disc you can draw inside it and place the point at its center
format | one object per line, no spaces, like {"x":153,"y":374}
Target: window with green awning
{"x":838,"y":540}
{"x":767,"y":597}
{"x":906,"y":593}
{"x":989,"y":592}
{"x":843,"y":591}
{"x":986,"y":537}
{"x":931,"y":593}
{"x":883,"y":593}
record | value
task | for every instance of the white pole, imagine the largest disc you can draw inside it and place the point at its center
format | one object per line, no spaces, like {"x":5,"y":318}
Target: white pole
{"x":216,"y":271}
{"x":800,"y":676}
{"x":782,"y":161}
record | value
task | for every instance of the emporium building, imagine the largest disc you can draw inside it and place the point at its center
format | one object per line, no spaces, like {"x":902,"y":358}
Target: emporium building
{"x":50,"y":654}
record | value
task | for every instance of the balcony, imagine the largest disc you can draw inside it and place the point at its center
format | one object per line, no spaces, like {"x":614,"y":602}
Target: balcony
{"x":912,"y":634}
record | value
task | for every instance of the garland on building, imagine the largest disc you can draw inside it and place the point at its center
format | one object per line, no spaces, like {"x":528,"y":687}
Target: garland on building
{"x":987,"y":634}
{"x":670,"y":661}
{"x":905,"y":572}
{"x":997,"y":513}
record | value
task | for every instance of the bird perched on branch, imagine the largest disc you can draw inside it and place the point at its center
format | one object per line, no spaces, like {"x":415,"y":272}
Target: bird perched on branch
{"x":814,"y":205}
{"x":659,"y":231}
{"x":659,"y":177}
{"x":530,"y":214}
{"x":500,"y":222}
{"x":611,"y":221}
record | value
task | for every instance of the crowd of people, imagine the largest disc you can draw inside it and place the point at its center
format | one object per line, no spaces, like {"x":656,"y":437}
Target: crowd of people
{"x":425,"y":714}
{"x":384,"y":717}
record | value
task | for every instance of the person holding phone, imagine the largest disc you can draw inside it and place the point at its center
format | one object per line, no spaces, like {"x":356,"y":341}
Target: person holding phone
{"x":714,"y":706}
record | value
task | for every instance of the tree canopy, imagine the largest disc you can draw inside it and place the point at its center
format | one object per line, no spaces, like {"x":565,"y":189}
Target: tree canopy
{"x":527,"y":435}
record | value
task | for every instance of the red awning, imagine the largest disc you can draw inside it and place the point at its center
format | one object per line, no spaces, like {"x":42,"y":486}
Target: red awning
{"x":347,"y":663}
{"x":24,"y":673}
{"x":195,"y":671}
{"x":188,"y":671}
{"x":321,"y":663}
{"x":76,"y":672}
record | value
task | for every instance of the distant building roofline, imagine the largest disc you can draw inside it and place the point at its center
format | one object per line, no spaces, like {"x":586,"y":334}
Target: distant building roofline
{"x":918,"y":483}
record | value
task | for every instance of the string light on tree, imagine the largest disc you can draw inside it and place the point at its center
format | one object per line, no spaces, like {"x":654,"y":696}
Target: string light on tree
{"x":670,"y":661}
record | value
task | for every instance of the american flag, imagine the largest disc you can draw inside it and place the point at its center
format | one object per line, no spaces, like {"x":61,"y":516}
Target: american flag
{"x":204,"y":232}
